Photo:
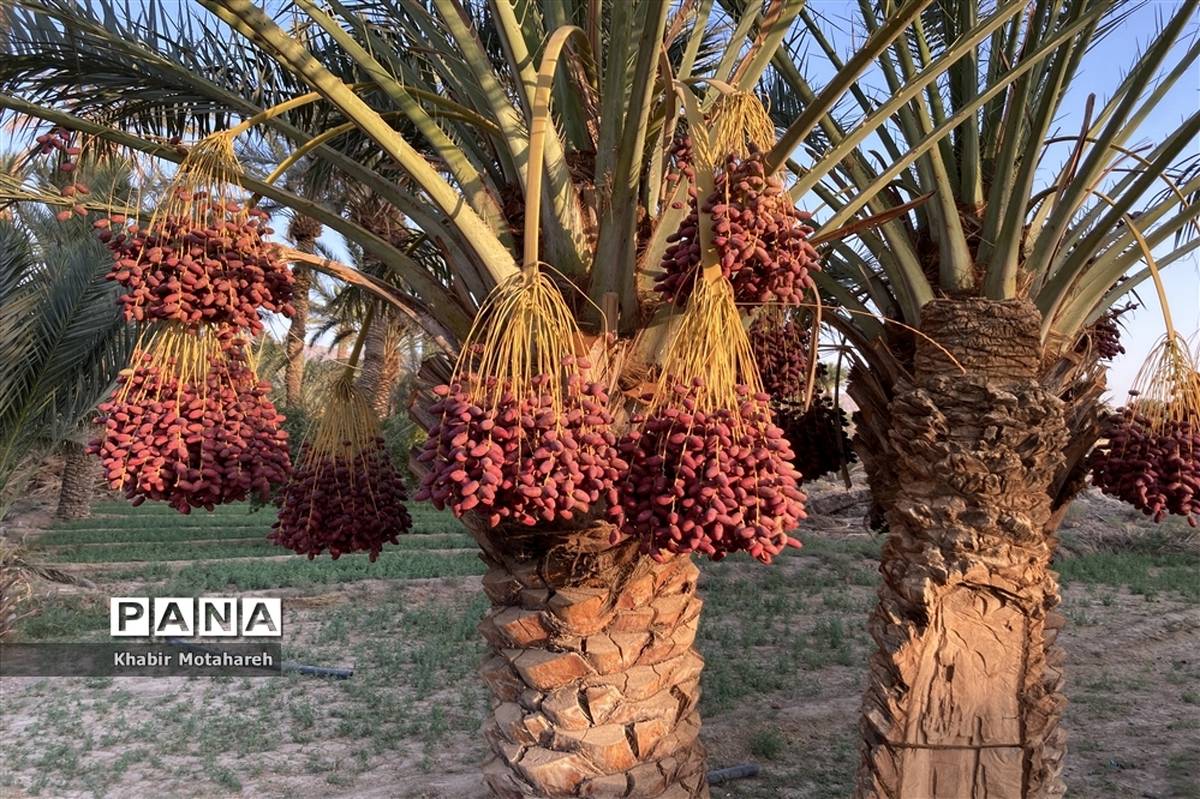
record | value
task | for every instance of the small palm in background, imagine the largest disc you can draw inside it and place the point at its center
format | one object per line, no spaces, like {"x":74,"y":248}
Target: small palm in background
{"x":62,"y":337}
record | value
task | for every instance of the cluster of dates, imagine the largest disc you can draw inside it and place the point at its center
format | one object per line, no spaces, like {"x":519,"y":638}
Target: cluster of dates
{"x":1104,"y":335}
{"x":189,"y":423}
{"x":761,"y":239}
{"x":818,"y":435}
{"x":211,"y":265}
{"x":780,"y":348}
{"x":192,"y":444}
{"x":1156,"y":469}
{"x":714,"y":483}
{"x":76,"y":192}
{"x":516,"y":457}
{"x":682,"y":169}
{"x":342,"y":503}
{"x":58,"y":140}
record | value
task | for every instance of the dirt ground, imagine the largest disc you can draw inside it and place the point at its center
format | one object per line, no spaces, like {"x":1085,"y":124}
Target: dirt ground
{"x":784,"y":646}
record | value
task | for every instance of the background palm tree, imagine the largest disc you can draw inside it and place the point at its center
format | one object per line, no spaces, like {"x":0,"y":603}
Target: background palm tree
{"x":960,"y":265}
{"x":63,"y":337}
{"x":303,"y":232}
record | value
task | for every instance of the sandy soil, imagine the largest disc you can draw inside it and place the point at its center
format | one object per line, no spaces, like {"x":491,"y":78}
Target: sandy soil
{"x":1133,"y":721}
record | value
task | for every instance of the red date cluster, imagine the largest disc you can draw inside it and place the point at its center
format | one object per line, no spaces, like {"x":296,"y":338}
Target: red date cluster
{"x":1104,"y":335}
{"x":58,"y":139}
{"x":217,"y":271}
{"x":343,"y":504}
{"x":818,"y":436}
{"x":192,"y":446}
{"x":1155,"y":471}
{"x":519,"y":458}
{"x":780,"y":348}
{"x":714,"y":483}
{"x":682,"y":169}
{"x":759,"y":234}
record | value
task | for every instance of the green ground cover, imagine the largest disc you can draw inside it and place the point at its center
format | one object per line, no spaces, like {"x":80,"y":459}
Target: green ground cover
{"x":785,"y":649}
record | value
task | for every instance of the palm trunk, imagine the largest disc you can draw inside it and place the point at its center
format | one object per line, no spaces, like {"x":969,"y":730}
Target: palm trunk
{"x":594,"y":676}
{"x":303,"y":231}
{"x":964,"y":696}
{"x":380,"y":363}
{"x":297,"y":332}
{"x":79,"y":474}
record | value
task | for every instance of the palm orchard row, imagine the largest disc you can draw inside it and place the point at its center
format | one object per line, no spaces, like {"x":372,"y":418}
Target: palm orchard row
{"x":591,"y":210}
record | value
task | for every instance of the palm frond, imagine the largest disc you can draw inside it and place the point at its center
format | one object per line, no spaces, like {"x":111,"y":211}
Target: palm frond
{"x":62,"y":337}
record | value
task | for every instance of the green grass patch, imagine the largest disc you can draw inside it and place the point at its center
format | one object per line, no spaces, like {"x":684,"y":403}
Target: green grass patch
{"x":152,"y":513}
{"x":163,"y":532}
{"x":152,"y":510}
{"x":152,"y":519}
{"x":63,"y":619}
{"x":767,"y":744}
{"x":150,"y":551}
{"x":300,"y":572}
{"x":1143,"y":574}
{"x":160,"y":550}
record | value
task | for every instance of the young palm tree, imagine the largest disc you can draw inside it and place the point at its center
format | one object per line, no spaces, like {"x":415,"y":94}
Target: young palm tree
{"x":63,"y":338}
{"x":960,"y":265}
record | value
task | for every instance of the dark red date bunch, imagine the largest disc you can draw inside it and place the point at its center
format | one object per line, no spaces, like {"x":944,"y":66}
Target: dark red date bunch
{"x":343,"y":504}
{"x":759,"y":234}
{"x":219,"y":270}
{"x":1155,"y":471}
{"x":192,"y":446}
{"x":680,"y":169}
{"x":818,"y":435}
{"x":713,"y":483}
{"x":1104,"y":335}
{"x":520,"y":459}
{"x":780,"y":348}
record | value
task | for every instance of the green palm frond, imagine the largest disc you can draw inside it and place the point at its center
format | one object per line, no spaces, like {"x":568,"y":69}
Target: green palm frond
{"x":427,"y":103}
{"x":62,"y":337}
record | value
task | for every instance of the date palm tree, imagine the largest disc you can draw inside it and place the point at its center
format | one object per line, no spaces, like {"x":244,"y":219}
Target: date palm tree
{"x":958,"y":262}
{"x":63,"y":337}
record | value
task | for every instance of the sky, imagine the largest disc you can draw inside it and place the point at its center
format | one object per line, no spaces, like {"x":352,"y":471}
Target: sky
{"x":1101,"y":71}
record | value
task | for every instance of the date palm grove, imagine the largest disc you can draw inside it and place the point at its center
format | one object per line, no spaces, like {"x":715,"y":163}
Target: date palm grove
{"x":585,"y":204}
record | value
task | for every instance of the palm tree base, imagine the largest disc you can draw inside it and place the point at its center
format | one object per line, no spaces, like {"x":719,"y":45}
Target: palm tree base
{"x":964,"y":697}
{"x":79,"y":474}
{"x":592,"y":668}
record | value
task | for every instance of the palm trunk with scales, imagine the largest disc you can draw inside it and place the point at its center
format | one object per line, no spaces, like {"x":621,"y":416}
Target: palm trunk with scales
{"x":591,"y":662}
{"x":303,"y":232}
{"x":971,"y":461}
{"x":380,"y":367}
{"x":79,"y":475}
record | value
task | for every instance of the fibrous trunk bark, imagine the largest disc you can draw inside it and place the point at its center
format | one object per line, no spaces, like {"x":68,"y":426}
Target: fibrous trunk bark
{"x":592,"y":668}
{"x":380,"y":367}
{"x":303,"y":231}
{"x":296,"y":335}
{"x":964,"y":696}
{"x":79,"y":474}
